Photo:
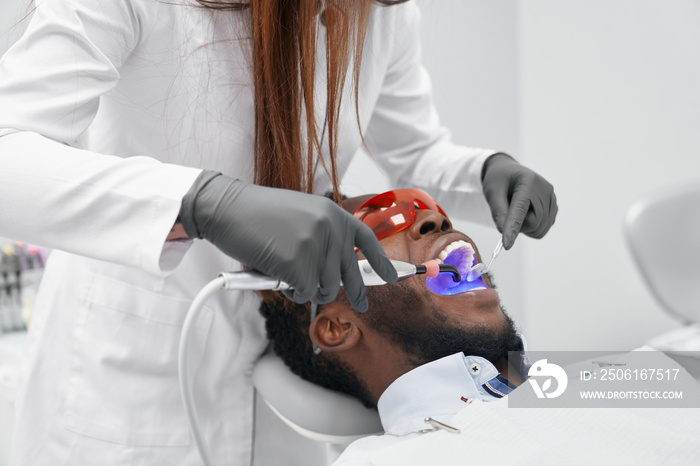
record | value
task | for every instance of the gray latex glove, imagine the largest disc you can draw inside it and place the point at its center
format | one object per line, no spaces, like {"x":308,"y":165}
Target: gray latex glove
{"x":302,"y":239}
{"x":520,"y":199}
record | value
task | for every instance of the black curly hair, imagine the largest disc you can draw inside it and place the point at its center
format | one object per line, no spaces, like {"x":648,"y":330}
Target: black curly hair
{"x":287,"y":325}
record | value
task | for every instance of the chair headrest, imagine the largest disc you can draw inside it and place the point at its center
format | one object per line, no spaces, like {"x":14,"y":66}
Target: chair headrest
{"x":313,"y":411}
{"x":662,"y":230}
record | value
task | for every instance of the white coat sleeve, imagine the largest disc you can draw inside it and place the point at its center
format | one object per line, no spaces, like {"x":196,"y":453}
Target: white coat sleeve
{"x":54,"y":194}
{"x":405,"y":136}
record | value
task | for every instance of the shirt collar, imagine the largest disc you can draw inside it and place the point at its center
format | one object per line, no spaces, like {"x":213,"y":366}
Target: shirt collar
{"x":440,"y":389}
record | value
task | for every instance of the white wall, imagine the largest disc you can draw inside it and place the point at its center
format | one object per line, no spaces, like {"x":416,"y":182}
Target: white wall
{"x":610,"y":109}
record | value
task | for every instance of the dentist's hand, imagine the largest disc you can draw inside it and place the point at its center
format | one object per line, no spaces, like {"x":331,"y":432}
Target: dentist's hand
{"x":302,"y":239}
{"x":520,"y":199}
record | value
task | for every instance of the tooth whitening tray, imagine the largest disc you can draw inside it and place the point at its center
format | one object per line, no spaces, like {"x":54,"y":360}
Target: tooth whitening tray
{"x":253,"y":280}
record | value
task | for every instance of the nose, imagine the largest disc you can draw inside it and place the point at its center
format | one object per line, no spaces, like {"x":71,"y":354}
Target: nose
{"x":428,"y":221}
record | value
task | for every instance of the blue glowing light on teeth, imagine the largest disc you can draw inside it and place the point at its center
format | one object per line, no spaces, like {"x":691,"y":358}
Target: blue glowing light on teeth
{"x":443,"y":283}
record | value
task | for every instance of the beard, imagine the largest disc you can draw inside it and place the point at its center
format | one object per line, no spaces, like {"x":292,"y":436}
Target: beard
{"x":427,"y":334}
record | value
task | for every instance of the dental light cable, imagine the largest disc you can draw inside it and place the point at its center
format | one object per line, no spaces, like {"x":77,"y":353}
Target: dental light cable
{"x":253,"y":280}
{"x":183,"y":365}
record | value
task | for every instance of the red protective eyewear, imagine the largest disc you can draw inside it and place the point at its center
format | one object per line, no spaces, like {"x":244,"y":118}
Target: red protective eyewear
{"x":394,"y":211}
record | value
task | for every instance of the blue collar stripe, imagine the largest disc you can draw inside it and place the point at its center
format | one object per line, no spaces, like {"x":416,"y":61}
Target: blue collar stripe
{"x":498,"y":387}
{"x":492,"y":391}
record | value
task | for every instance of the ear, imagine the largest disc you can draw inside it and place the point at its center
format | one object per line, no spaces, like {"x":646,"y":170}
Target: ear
{"x":335,"y":329}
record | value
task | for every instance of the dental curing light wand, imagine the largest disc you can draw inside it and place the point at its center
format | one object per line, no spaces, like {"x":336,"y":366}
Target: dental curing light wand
{"x":406,"y":270}
{"x":253,"y":280}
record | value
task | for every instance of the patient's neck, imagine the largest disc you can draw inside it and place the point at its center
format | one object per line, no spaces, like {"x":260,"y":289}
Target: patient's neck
{"x":509,"y":372}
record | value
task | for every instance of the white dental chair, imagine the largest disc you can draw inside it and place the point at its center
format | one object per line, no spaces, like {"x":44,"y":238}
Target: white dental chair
{"x":314,"y":412}
{"x":662,"y":230}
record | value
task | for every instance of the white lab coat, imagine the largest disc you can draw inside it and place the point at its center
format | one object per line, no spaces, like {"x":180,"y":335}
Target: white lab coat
{"x":108,"y":111}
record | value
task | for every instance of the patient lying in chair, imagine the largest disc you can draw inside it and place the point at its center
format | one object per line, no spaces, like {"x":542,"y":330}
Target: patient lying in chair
{"x":426,"y":348}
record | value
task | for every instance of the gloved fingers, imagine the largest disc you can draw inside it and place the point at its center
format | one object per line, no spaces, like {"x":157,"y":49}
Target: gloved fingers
{"x":294,"y":295}
{"x":518,"y":209}
{"x":328,"y":290}
{"x":300,"y":295}
{"x":353,"y":284}
{"x":328,"y":282}
{"x":535,"y":222}
{"x":367,"y":242}
{"x":549,"y":207}
{"x":498,"y":203}
{"x":553,"y":208}
{"x":289,"y":294}
{"x":302,"y":275}
{"x":539,"y":221}
{"x":543,"y":212}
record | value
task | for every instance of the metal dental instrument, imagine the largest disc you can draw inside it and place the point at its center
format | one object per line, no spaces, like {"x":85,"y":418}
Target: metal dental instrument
{"x":479,"y":269}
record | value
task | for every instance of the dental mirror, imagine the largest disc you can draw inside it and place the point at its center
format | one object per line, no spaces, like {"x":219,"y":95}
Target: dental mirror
{"x":479,"y":269}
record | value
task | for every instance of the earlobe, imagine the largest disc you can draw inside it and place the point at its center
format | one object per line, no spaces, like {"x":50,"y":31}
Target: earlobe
{"x":334,"y":329}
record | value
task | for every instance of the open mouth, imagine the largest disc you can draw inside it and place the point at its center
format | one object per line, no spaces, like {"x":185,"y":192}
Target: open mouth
{"x":461,"y":255}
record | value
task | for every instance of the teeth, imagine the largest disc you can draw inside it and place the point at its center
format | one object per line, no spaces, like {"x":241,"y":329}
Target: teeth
{"x":438,"y":260}
{"x":466,"y":259}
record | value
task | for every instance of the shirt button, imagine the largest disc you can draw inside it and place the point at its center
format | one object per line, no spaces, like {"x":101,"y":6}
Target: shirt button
{"x":475,"y":368}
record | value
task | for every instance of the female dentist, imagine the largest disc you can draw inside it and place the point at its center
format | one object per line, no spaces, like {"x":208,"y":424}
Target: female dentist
{"x":129,"y":127}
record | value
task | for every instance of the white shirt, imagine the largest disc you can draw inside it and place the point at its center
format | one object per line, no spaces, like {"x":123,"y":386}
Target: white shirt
{"x":438,"y":390}
{"x":492,"y":433}
{"x":108,"y":111}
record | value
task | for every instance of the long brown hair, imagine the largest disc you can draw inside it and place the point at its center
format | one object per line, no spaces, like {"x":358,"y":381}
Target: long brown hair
{"x":284,"y":64}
